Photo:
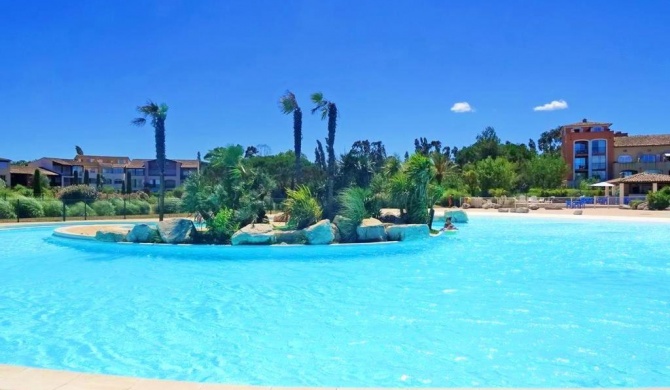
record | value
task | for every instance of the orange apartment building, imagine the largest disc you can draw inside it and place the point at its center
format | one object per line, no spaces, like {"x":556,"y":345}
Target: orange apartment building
{"x":594,"y":150}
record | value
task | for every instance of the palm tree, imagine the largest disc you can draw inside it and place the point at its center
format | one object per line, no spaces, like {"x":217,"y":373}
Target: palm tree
{"x":158,"y":113}
{"x":289,"y":105}
{"x":328,"y":109}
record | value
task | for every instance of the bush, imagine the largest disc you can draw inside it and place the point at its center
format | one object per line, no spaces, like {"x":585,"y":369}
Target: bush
{"x":52,"y":208}
{"x":355,"y":204}
{"x":3,"y":185}
{"x":171,"y":205}
{"x":81,"y":193}
{"x":6,"y":210}
{"x":178,"y":192}
{"x":223,"y":226}
{"x":131,"y":209}
{"x":302,"y":208}
{"x":104,"y":208}
{"x":659,"y":200}
{"x":634,"y":203}
{"x":28,"y":208}
{"x":143,"y":207}
{"x":77,"y":210}
{"x":23,"y":191}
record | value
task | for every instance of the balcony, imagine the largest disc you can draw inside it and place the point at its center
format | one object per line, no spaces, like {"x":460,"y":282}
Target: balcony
{"x":157,"y":172}
{"x":662,"y":166}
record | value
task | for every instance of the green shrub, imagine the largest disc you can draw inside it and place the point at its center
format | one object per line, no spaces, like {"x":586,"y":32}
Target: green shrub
{"x":104,"y":208}
{"x":659,"y":200}
{"x":107,"y":189}
{"x":3,"y":185}
{"x":81,"y":193}
{"x":171,"y":205}
{"x":52,"y":208}
{"x":634,"y":203}
{"x":131,"y":209}
{"x":354,"y":204}
{"x":23,"y":191}
{"x":6,"y":210}
{"x":28,"y":208}
{"x":143,"y":207}
{"x":77,"y":210}
{"x":302,"y":208}
{"x":222,"y":226}
{"x":178,"y":192}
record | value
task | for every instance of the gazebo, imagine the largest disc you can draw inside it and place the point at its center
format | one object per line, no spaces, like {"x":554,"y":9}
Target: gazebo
{"x":641,"y":178}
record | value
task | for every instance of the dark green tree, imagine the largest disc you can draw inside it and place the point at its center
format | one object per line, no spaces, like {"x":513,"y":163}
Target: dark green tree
{"x":98,"y":181}
{"x":87,"y":180}
{"x":78,"y":150}
{"x":289,"y":105}
{"x":550,"y":141}
{"x":328,"y":109}
{"x":37,"y":183}
{"x":129,"y":186}
{"x":123,"y":187}
{"x":158,"y":114}
{"x":75,"y":177}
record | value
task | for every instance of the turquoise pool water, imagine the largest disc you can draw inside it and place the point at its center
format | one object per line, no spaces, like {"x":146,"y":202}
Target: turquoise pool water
{"x":505,"y":302}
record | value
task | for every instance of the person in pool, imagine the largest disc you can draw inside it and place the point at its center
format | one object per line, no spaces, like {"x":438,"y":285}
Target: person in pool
{"x":448,"y":225}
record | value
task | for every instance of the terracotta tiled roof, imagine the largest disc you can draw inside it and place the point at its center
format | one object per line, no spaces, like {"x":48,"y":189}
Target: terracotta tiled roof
{"x":88,"y":156}
{"x":642,"y":140}
{"x":136,"y":163}
{"x":27,"y":170}
{"x":643,"y":178}
{"x":588,"y":124}
{"x":63,"y":161}
{"x":188,"y":163}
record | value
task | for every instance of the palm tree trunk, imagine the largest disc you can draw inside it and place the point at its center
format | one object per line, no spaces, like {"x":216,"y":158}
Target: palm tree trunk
{"x":297,"y":141}
{"x":161,"y":195}
{"x":332,"y":126}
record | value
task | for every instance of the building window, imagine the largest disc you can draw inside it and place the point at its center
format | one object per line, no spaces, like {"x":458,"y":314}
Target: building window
{"x":4,"y":165}
{"x":580,"y":163}
{"x":648,"y":158}
{"x":624,"y":158}
{"x":598,"y":147}
{"x":628,"y":172}
{"x":598,"y":163}
{"x":597,"y":128}
{"x":577,"y":130}
{"x":581,"y":147}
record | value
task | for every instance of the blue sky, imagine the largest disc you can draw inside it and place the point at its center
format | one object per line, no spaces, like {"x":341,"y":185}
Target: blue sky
{"x":72,"y":72}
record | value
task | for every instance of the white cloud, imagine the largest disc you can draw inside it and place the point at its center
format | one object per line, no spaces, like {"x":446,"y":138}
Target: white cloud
{"x":554,"y":105}
{"x":462,"y":107}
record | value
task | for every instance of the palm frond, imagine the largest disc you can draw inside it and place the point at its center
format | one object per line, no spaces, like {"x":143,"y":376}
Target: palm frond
{"x":288,"y":103}
{"x":317,"y":98}
{"x":138,"y":121}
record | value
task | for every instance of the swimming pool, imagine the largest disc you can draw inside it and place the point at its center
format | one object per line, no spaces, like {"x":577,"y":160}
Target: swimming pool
{"x":504,"y":302}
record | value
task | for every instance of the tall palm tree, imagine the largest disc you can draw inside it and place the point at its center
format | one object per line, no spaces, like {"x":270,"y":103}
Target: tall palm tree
{"x":328,"y":109}
{"x":289,"y":105}
{"x":157,"y":113}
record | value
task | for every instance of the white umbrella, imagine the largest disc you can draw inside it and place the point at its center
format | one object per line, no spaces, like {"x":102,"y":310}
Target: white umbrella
{"x":602,"y":184}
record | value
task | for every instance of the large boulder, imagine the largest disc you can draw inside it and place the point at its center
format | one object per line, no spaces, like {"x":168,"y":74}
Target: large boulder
{"x":521,"y":210}
{"x":370,"y":230}
{"x":110,"y":236}
{"x":254,"y":234}
{"x":143,"y":233}
{"x":177,"y":231}
{"x":291,"y":237}
{"x":346,"y":228}
{"x":337,"y":237}
{"x":320,"y":233}
{"x":407,"y":232}
{"x":457,"y":216}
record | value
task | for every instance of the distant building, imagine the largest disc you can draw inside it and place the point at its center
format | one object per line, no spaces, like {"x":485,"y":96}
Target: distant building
{"x":593,"y":150}
{"x":5,"y":174}
{"x":144,"y":173}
